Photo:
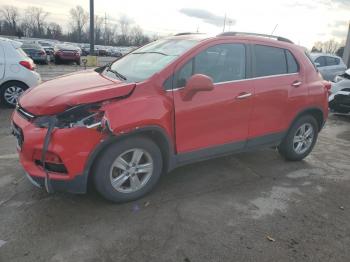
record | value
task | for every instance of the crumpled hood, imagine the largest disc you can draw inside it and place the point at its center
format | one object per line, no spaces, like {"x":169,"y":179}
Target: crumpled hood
{"x":57,"y":95}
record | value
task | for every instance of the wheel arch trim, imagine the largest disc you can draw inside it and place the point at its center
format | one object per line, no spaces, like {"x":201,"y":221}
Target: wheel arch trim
{"x":312,"y":111}
{"x":167,"y":147}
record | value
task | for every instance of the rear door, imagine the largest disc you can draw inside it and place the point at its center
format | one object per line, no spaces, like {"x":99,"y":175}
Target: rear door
{"x":321,"y":64}
{"x":334,"y":67}
{"x":219,"y":116}
{"x":2,"y":61}
{"x":277,"y":82}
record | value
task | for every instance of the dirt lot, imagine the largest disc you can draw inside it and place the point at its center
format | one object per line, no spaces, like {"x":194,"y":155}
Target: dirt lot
{"x":219,"y":210}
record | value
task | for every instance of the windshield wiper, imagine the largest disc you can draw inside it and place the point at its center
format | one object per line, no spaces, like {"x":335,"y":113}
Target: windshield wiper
{"x":119,"y":75}
{"x":151,"y":52}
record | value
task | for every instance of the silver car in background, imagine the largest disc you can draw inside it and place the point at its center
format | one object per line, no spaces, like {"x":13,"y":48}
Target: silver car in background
{"x":329,"y":65}
{"x":339,"y":99}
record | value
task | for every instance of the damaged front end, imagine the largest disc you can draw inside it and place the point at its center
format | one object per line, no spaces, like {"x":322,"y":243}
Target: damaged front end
{"x":88,"y":116}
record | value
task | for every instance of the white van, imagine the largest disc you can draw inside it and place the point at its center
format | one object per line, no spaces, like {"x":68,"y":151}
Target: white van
{"x":17,"y":72}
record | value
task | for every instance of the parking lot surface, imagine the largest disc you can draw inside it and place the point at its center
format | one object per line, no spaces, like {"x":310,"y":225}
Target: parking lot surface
{"x":252,"y":206}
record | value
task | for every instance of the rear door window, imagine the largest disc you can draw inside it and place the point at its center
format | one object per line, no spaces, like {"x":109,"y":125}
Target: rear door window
{"x":269,"y":61}
{"x":320,"y":61}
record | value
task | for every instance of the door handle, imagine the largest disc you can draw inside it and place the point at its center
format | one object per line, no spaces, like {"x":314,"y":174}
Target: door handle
{"x":296,"y":83}
{"x":243,"y":95}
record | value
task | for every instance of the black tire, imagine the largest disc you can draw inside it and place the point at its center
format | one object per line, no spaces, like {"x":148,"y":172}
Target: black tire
{"x":101,"y":170}
{"x":286,"y":148}
{"x":57,"y":60}
{"x":6,"y":87}
{"x":78,"y":62}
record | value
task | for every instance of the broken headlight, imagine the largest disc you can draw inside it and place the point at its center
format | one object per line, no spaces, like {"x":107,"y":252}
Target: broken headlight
{"x":87,"y":115}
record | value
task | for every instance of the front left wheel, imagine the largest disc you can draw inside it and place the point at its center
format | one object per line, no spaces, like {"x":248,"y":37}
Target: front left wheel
{"x":10,"y":92}
{"x":128,"y":169}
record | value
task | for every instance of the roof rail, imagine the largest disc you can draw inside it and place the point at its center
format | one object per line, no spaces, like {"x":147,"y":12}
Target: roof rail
{"x":278,"y":38}
{"x":187,"y":33}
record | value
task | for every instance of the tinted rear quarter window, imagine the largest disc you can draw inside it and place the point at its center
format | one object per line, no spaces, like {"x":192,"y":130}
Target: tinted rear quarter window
{"x":269,"y":61}
{"x":292,"y":64}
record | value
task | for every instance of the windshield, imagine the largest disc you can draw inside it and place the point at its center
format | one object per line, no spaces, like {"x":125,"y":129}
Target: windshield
{"x":150,"y":59}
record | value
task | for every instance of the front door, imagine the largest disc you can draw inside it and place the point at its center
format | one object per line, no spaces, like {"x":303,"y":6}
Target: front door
{"x":220,"y":116}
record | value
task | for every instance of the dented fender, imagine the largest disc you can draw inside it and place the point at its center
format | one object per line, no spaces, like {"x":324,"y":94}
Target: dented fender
{"x":126,"y":115}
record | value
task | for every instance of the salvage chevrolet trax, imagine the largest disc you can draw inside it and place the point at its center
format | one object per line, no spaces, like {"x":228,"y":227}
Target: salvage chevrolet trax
{"x":174,"y":101}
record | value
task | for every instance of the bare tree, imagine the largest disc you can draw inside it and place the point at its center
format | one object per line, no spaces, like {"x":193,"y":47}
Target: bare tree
{"x":54,"y":30}
{"x":79,"y":18}
{"x":137,"y":37}
{"x":124,"y":24}
{"x":98,"y":28}
{"x":33,"y":23}
{"x":330,"y":46}
{"x":10,"y":15}
{"x":35,"y":19}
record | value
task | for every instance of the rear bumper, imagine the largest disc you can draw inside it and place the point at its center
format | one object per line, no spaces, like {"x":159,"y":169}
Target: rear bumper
{"x":68,"y":58}
{"x":73,"y":146}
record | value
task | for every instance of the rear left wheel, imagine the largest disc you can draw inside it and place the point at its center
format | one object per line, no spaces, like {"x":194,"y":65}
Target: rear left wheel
{"x":10,"y":92}
{"x":300,"y":139}
{"x":128,"y":169}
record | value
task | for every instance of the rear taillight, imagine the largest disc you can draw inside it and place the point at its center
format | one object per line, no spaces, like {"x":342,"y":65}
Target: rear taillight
{"x":27,"y":64}
{"x":327,"y":86}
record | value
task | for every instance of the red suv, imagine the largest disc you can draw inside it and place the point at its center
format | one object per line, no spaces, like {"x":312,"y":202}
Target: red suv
{"x":174,"y":101}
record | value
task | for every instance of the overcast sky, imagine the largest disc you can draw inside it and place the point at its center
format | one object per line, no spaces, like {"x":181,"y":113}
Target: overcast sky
{"x":303,"y":21}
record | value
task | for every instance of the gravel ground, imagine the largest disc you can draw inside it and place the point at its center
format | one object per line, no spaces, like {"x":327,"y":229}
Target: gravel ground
{"x":246,"y":207}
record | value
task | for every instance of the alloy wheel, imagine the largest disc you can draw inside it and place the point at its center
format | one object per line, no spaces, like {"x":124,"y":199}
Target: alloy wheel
{"x":131,"y":170}
{"x":303,"y":138}
{"x":12,"y":94}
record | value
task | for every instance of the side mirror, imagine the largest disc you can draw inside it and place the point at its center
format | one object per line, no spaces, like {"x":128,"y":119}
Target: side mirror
{"x":317,"y":64}
{"x":197,"y":83}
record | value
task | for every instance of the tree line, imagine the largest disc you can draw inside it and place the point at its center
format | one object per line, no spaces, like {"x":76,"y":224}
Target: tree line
{"x":33,"y":22}
{"x":329,"y":47}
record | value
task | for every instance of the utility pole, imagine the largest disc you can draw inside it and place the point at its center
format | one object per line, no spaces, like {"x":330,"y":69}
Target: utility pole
{"x":223,"y":30}
{"x":92,"y":28}
{"x":105,"y":28}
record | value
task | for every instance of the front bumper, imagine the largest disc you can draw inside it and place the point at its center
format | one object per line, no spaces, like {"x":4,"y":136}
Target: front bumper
{"x":72,"y":145}
{"x":78,"y":185}
{"x":340,"y":101}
